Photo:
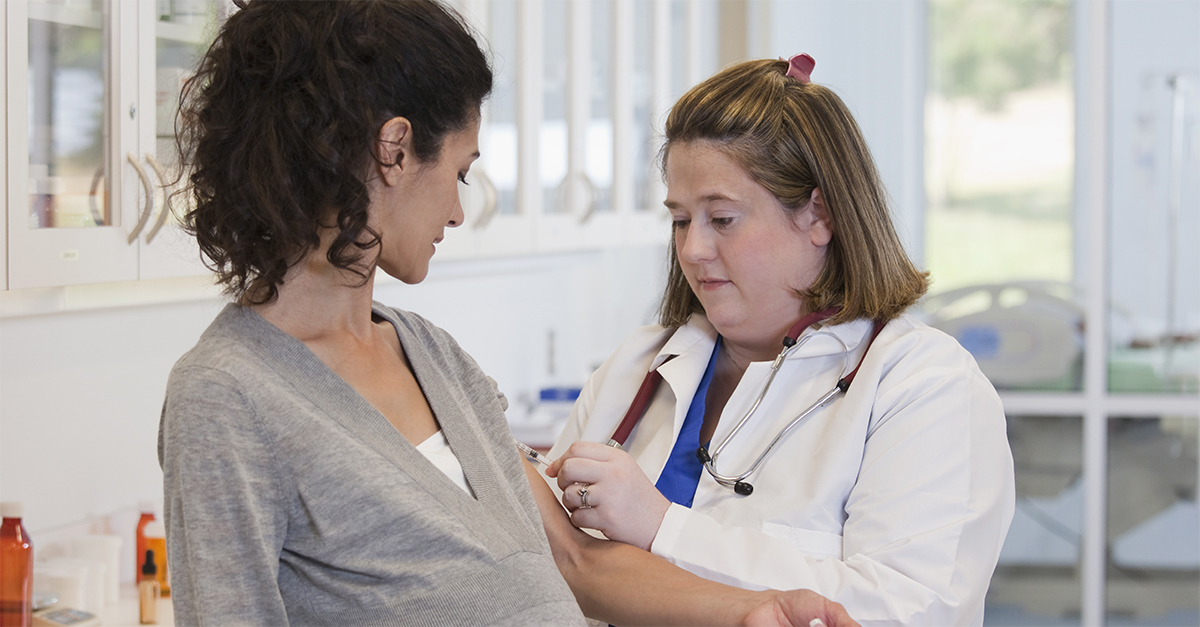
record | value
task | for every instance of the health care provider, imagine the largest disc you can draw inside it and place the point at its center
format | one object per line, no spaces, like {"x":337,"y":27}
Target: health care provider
{"x":330,"y":460}
{"x":893,"y":498}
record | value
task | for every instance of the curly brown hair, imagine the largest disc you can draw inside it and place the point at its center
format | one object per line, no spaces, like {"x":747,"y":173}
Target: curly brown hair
{"x":791,"y":138}
{"x":279,"y":123}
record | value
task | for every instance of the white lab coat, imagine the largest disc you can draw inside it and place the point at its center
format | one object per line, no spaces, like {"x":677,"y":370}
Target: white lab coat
{"x":893,"y":500}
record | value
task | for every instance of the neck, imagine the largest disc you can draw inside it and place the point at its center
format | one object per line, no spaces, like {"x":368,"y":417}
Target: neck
{"x":316,"y":299}
{"x":739,"y":356}
{"x":742,"y":353}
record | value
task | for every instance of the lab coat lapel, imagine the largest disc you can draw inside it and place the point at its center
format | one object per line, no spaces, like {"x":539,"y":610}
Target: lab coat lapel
{"x":693,"y":344}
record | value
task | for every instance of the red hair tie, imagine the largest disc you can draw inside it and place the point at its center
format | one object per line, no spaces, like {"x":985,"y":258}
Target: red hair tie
{"x":800,"y":67}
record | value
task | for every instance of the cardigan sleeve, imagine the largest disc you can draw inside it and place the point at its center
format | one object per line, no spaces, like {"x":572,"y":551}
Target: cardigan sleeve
{"x":226,"y":515}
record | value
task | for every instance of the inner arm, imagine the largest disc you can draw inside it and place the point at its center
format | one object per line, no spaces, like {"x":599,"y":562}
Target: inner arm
{"x":621,"y":584}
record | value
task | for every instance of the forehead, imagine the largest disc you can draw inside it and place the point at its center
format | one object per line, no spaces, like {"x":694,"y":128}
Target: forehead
{"x":464,"y":140}
{"x":699,"y":170}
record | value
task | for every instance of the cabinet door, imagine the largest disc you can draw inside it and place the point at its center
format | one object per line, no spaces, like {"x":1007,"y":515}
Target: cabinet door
{"x":644,"y":29}
{"x":4,"y":156}
{"x":497,"y":223}
{"x":603,"y":108}
{"x":173,"y":36}
{"x":71,"y":219}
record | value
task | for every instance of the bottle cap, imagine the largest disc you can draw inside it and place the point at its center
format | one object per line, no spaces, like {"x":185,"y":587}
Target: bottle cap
{"x":12,"y":509}
{"x":149,"y":567}
{"x":155,"y":529}
{"x":146,"y":507}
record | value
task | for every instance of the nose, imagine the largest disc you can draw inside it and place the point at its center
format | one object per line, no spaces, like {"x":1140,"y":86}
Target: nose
{"x":694,"y":245}
{"x":457,"y":217}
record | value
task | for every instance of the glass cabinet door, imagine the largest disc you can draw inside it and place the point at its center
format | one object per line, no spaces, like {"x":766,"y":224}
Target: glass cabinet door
{"x":598,"y":165}
{"x":181,"y":32}
{"x":605,"y":101}
{"x":649,"y":36}
{"x":642,"y":84}
{"x":553,"y":155}
{"x":67,"y":74}
{"x":497,"y":221}
{"x":66,"y":142}
{"x":498,"y":138}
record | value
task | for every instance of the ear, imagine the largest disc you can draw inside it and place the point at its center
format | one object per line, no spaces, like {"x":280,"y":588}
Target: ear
{"x":814,"y":220}
{"x":393,"y":149}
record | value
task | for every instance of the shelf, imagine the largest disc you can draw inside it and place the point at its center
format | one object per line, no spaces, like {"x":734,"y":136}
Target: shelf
{"x":65,"y":15}
{"x":189,"y":33}
{"x":1122,"y":405}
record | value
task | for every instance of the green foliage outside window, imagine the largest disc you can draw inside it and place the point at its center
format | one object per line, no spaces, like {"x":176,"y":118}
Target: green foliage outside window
{"x":985,"y":49}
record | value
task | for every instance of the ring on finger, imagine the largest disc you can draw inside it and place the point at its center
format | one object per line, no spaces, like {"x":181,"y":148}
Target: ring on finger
{"x":583,"y":494}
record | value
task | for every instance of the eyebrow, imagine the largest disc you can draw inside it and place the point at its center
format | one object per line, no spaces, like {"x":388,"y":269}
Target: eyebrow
{"x":713,"y":197}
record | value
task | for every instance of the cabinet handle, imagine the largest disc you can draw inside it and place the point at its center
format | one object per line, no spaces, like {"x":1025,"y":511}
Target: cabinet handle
{"x":97,"y":216}
{"x":149,"y":208}
{"x":594,"y":200}
{"x":166,"y":208}
{"x":490,"y":197}
{"x":563,"y":194}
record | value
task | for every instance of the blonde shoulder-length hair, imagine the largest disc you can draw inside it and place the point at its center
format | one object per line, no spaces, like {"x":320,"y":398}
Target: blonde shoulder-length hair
{"x":792,"y":137}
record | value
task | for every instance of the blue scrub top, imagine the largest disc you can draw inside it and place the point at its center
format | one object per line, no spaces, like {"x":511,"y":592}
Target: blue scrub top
{"x":681,"y":474}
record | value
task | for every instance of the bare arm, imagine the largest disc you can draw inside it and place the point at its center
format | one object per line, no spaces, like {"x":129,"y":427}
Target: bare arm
{"x":621,"y":584}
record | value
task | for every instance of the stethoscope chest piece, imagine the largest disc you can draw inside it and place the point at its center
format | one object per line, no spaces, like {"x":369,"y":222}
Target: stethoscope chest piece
{"x":741,"y":487}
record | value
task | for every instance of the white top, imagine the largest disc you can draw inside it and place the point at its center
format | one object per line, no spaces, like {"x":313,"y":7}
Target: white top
{"x":893,"y":500}
{"x":437,"y":450}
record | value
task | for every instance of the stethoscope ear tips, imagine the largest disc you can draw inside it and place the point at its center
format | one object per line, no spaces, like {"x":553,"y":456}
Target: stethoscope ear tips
{"x":743,"y":488}
{"x":702,"y":455}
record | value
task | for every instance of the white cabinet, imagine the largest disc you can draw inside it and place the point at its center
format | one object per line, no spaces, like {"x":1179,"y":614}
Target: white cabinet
{"x":88,"y":164}
{"x":569,"y":139}
{"x":571,"y":129}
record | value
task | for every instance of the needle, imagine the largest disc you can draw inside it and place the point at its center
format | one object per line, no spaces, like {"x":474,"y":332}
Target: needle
{"x":534,"y":455}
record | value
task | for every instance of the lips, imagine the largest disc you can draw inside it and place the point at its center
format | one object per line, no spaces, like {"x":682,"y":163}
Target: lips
{"x":712,"y":284}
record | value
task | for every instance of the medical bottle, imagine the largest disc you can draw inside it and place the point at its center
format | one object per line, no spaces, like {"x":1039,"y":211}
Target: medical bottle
{"x":156,"y":540}
{"x":147,"y":509}
{"x":16,"y":568}
{"x":148,"y":590}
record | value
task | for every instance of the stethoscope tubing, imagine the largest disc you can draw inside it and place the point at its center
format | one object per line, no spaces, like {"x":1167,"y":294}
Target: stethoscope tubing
{"x":710,"y":460}
{"x":791,"y":342}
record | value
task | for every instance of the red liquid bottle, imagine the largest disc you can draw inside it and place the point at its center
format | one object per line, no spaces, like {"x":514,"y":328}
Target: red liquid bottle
{"x":147,"y":510}
{"x":16,"y":568}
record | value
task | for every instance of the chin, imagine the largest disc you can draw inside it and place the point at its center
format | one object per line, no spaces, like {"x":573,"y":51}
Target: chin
{"x":411,"y":276}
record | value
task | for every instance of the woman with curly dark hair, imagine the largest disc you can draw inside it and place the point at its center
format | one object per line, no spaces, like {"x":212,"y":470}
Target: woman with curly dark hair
{"x":327,"y":459}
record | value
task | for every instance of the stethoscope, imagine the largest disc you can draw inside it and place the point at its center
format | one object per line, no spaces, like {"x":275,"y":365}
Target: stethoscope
{"x":650,"y":384}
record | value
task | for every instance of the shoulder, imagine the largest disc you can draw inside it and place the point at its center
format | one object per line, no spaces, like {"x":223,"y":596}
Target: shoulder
{"x":241,"y":370}
{"x":432,"y":337}
{"x":429,"y":345}
{"x":235,"y":340}
{"x":910,"y":341}
{"x":917,"y":366}
{"x":227,"y":352}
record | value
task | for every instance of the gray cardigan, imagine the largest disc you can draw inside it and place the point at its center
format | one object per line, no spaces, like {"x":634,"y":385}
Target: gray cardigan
{"x":290,"y":500}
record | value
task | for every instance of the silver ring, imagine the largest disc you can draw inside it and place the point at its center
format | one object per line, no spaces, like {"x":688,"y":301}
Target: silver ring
{"x":583,"y":492}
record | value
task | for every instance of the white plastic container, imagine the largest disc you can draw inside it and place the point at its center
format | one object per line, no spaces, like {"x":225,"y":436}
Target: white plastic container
{"x":106,"y":550}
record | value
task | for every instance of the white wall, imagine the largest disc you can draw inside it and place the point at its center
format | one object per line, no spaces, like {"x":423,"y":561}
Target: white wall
{"x":872,"y":54}
{"x":81,"y":392}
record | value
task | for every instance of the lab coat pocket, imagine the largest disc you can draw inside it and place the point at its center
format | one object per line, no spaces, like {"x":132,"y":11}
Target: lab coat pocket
{"x":816,"y":543}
